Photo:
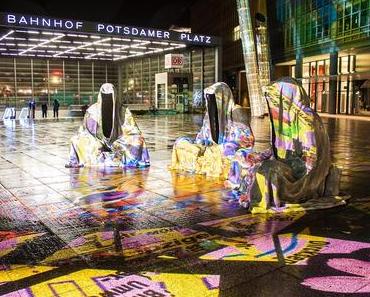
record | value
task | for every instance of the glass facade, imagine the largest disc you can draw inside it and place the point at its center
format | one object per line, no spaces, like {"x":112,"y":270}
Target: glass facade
{"x":70,"y":81}
{"x":309,"y":22}
{"x":316,"y":83}
{"x":138,"y":76}
{"x":311,"y":29}
{"x":74,"y":81}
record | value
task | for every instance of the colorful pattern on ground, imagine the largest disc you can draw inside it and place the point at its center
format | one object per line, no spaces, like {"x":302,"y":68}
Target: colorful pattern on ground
{"x":153,"y":232}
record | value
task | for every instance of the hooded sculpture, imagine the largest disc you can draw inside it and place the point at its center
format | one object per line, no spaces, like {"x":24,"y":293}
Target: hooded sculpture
{"x":109,"y":135}
{"x":300,"y":162}
{"x":225,"y":129}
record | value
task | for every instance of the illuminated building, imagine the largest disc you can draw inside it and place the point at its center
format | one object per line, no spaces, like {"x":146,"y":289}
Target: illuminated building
{"x":326,"y":45}
{"x":49,"y":58}
{"x":307,"y":33}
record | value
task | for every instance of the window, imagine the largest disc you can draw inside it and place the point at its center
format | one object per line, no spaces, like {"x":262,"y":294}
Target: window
{"x":7,"y":82}
{"x":236,"y":33}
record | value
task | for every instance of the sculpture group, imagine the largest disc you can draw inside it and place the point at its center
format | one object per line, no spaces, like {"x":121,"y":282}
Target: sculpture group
{"x":295,"y":169}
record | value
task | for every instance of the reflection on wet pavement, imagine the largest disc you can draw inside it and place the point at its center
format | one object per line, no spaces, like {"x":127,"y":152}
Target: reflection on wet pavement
{"x":153,"y":232}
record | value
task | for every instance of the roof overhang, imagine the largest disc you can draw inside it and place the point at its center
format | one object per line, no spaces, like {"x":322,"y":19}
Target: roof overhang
{"x":47,"y":37}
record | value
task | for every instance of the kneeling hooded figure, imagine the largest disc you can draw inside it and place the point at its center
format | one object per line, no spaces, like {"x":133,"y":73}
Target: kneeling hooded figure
{"x":225,"y":130}
{"x":109,"y":136}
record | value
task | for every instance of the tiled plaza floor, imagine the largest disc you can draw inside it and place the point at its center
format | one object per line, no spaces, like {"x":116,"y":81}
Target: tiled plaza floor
{"x":152,"y":232}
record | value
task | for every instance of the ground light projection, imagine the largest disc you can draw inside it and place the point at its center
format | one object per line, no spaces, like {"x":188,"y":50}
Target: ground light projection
{"x":153,"y":232}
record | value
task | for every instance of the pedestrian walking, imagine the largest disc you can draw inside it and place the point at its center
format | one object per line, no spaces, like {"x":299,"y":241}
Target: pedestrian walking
{"x":44,"y":108}
{"x":56,"y":108}
{"x":33,"y":107}
{"x":29,"y":108}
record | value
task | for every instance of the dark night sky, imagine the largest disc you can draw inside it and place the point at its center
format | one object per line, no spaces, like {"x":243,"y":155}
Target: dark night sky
{"x":155,"y":13}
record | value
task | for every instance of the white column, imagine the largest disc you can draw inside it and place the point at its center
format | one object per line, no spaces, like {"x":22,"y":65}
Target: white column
{"x":250,"y":59}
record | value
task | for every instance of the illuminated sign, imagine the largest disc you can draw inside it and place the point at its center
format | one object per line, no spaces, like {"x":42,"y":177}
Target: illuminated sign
{"x":40,"y":22}
{"x":173,"y":61}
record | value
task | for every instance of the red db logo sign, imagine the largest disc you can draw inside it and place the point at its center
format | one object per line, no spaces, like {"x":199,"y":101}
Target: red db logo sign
{"x":177,"y":60}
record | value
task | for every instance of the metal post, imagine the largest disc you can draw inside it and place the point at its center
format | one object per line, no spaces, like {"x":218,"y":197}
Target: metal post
{"x":119,"y":70}
{"x":92,"y":82}
{"x":15,"y":81}
{"x":141,"y":81}
{"x":127,"y":93}
{"x":150,"y":81}
{"x":218,"y":63}
{"x":202,"y":74}
{"x":298,"y":70}
{"x":316,"y":87}
{"x":133,"y":76}
{"x":32,"y":91}
{"x":78,"y":83}
{"x":48,"y":78}
{"x":333,"y":71}
{"x":347,"y":95}
{"x":64,"y":83}
{"x":165,"y":96}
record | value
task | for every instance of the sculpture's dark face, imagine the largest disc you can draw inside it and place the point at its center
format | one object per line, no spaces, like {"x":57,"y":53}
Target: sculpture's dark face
{"x":107,"y":114}
{"x":213,"y":116}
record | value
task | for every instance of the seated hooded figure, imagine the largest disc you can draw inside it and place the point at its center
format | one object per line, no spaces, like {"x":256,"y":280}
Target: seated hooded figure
{"x":109,"y":135}
{"x":299,"y":167}
{"x":225,"y":129}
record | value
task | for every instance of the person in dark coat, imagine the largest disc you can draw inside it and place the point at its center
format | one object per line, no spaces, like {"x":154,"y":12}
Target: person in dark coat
{"x":44,"y":108}
{"x":33,"y":107}
{"x":56,"y":108}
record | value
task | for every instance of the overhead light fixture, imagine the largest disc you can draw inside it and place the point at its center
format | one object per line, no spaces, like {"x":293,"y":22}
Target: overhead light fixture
{"x":82,"y":46}
{"x":78,"y":35}
{"x":120,"y":58}
{"x":137,"y":46}
{"x":160,"y":42}
{"x":37,"y":39}
{"x":91,"y":55}
{"x":41,"y":44}
{"x":6,"y":35}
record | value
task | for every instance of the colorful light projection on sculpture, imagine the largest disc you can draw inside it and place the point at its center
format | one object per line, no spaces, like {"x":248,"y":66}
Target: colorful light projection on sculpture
{"x":109,"y":136}
{"x":300,"y":163}
{"x":225,"y":129}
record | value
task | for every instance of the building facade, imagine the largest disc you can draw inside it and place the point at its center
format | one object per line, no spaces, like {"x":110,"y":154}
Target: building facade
{"x":326,"y":45}
{"x":47,"y":58}
{"x":323,"y":43}
{"x":220,"y":17}
{"x":138,"y":78}
{"x":69,"y":81}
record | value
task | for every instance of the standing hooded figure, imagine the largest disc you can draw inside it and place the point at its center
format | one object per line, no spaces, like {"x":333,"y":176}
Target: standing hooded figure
{"x":109,"y":135}
{"x":299,"y":167}
{"x":225,"y":130}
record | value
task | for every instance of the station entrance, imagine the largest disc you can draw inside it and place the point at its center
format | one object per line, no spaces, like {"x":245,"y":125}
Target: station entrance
{"x":46,"y":58}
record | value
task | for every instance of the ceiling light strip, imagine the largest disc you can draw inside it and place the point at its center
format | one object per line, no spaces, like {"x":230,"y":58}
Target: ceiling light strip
{"x":41,"y":44}
{"x":82,"y":46}
{"x":6,"y":35}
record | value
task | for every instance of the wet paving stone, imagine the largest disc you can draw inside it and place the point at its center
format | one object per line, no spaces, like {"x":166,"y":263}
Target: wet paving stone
{"x":155,"y":232}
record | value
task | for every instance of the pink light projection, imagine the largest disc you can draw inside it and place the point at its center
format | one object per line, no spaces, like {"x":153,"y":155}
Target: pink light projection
{"x":359,"y":282}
